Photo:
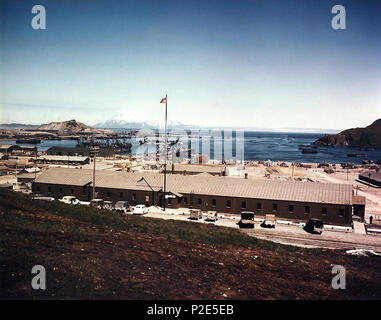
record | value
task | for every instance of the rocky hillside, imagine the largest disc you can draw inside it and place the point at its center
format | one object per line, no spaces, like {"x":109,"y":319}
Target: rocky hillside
{"x":72,"y":127}
{"x":368,"y":137}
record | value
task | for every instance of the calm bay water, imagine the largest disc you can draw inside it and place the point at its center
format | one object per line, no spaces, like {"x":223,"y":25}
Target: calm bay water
{"x":264,"y":146}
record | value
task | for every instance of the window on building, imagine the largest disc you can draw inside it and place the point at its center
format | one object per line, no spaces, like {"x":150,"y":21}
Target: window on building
{"x":307,"y":210}
{"x":38,"y":188}
{"x":214,"y":202}
{"x":199,"y":201}
{"x":121,"y":195}
{"x":259,"y":206}
{"x":324,"y":211}
{"x":243,"y":204}
{"x":275,"y":207}
{"x":291,"y":208}
{"x":341,"y":212}
{"x":108,"y":194}
{"x":72,"y":191}
{"x":49,"y":189}
{"x":83,"y":190}
{"x":61,"y":190}
{"x":169,"y":200}
{"x":134,"y":196}
{"x":228,"y":204}
{"x":147,"y":198}
{"x":185,"y":199}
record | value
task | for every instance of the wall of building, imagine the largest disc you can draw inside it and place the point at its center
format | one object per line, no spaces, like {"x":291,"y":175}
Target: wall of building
{"x":329,"y":213}
{"x":288,"y":210}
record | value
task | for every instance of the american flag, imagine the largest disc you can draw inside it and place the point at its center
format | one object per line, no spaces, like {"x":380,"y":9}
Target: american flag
{"x":164,"y":100}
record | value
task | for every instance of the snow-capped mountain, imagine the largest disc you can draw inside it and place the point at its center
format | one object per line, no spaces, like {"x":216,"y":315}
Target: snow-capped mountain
{"x":135,"y":120}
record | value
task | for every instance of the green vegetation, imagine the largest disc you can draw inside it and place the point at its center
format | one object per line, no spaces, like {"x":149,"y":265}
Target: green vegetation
{"x":91,"y":253}
{"x":171,"y":229}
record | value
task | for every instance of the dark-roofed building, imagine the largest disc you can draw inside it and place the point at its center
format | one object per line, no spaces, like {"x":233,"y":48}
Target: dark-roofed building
{"x":9,"y":148}
{"x":372,"y":178}
{"x":289,"y":200}
{"x":73,"y":160}
{"x":78,"y":151}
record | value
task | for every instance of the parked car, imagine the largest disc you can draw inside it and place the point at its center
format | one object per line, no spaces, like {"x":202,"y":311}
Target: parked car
{"x":108,"y":205}
{"x":73,"y":200}
{"x":195,"y":214}
{"x":69,"y":200}
{"x":212,"y":216}
{"x":247,"y":219}
{"x":43,"y":198}
{"x":140,"y":209}
{"x":269,"y":221}
{"x":314,"y":226}
{"x":122,"y":206}
{"x":98,"y":203}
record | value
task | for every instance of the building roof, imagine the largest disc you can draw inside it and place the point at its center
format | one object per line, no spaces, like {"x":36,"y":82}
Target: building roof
{"x":5,"y":146}
{"x":63,"y":158}
{"x":197,"y":168}
{"x":30,"y":176}
{"x":31,"y":170}
{"x":205,"y":185}
{"x":359,"y":200}
{"x":371,"y":175}
{"x":28,"y":147}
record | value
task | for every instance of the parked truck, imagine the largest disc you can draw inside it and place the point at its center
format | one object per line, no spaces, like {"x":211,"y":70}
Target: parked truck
{"x":212,"y":216}
{"x":195,"y":214}
{"x":247,"y":219}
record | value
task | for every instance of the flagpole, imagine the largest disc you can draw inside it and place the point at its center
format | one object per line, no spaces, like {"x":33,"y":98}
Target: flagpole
{"x":165,"y":160}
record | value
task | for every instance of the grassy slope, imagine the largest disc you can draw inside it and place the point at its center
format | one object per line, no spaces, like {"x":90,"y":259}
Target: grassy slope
{"x":92,"y":253}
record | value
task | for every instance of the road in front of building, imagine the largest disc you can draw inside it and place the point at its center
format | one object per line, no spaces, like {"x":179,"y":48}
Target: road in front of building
{"x":285,"y":234}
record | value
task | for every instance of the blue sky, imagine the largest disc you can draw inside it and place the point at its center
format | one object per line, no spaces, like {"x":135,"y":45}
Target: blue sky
{"x":267,"y":64}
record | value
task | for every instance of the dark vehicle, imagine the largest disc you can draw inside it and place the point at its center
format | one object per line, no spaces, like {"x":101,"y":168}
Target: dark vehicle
{"x":108,"y":205}
{"x":269,"y":221}
{"x":122,"y":206}
{"x":97,"y":203}
{"x":247,"y":219}
{"x":314,"y":226}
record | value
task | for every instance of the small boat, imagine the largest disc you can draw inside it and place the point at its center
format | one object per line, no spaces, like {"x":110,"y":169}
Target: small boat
{"x":309,"y":151}
{"x":357,"y":155}
{"x":28,"y":141}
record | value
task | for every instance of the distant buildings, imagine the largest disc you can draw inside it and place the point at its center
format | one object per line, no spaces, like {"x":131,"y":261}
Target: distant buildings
{"x":333,"y":203}
{"x":16,"y":149}
{"x":66,"y":160}
{"x":372,"y":178}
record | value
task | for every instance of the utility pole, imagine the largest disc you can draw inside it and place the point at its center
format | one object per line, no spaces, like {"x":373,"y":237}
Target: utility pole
{"x":292,"y":173}
{"x":35,"y":165}
{"x":94,"y":152}
{"x":165,"y":100}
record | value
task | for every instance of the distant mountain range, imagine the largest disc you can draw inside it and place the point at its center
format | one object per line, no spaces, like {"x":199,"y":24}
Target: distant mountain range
{"x":139,"y":123}
{"x":368,"y":137}
{"x":135,"y":120}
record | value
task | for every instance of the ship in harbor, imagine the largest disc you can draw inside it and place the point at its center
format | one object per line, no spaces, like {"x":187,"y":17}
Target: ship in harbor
{"x":28,"y":141}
